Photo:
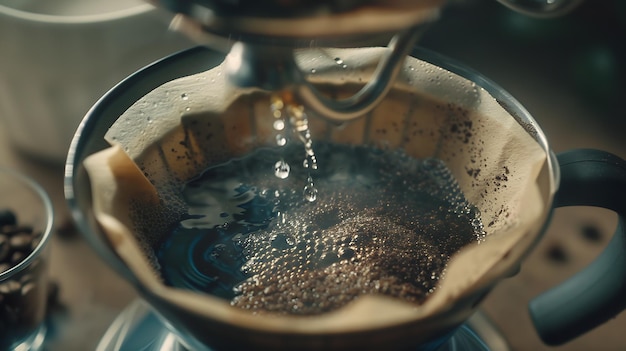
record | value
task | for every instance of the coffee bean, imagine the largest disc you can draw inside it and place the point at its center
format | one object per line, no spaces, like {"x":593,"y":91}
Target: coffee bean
{"x":10,"y":314}
{"x":591,"y":233}
{"x":7,"y":217}
{"x":10,"y":287}
{"x":19,"y":305}
{"x":5,"y":248}
{"x":17,"y":257}
{"x":21,"y":241}
{"x":14,"y":230}
{"x":28,"y":288}
{"x":12,"y":292}
{"x":557,"y":254}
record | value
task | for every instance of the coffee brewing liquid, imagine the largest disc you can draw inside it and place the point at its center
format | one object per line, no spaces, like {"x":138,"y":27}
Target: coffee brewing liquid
{"x":382,"y":223}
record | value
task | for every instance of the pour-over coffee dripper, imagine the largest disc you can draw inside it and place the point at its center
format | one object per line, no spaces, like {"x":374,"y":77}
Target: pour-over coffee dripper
{"x":208,"y":324}
{"x":191,"y":322}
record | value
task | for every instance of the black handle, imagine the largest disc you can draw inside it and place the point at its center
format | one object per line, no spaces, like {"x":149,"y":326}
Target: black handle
{"x":597,"y":293}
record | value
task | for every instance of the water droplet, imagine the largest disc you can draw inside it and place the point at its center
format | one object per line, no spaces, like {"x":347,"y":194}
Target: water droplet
{"x":187,"y":108}
{"x":310,"y":162}
{"x":276,"y":103}
{"x":282,"y":241}
{"x":313,"y":70}
{"x":339,"y":61}
{"x":184,"y":96}
{"x":299,"y":120}
{"x":279,"y":124}
{"x":238,"y":240}
{"x":344,"y":66}
{"x":246,"y":268}
{"x":281,"y":140}
{"x":310,"y":191}
{"x":313,"y":162}
{"x":281,"y":217}
{"x":281,"y":169}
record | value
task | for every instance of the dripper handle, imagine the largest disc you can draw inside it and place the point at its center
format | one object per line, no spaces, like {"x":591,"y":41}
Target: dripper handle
{"x":598,"y":292}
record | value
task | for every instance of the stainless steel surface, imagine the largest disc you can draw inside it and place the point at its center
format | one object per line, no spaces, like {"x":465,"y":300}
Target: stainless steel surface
{"x":92,"y":295}
{"x":274,"y":68}
{"x":309,"y":19}
{"x":262,"y":38}
{"x":262,"y":63}
{"x":372,"y":93}
{"x":138,"y":328}
{"x":266,"y":32}
{"x":337,"y":21}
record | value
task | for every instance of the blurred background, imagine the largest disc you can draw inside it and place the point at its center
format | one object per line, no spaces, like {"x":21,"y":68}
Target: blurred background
{"x":575,"y":65}
{"x":570,"y":74}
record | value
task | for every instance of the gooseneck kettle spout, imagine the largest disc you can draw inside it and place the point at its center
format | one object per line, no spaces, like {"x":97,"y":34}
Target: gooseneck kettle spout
{"x":262,"y":36}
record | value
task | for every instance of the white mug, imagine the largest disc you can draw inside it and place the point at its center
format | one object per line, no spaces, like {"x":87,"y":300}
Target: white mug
{"x":57,"y":57}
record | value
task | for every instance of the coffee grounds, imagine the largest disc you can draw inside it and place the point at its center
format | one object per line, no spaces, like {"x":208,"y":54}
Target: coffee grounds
{"x":383,"y":223}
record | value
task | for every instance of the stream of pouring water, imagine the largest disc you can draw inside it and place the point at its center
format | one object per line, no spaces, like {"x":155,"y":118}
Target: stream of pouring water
{"x":291,"y":117}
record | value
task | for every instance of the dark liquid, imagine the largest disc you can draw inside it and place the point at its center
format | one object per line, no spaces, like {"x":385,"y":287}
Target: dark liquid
{"x":383,"y":223}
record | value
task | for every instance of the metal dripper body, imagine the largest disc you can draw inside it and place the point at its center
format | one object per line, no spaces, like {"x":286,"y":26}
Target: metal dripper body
{"x":261,"y":38}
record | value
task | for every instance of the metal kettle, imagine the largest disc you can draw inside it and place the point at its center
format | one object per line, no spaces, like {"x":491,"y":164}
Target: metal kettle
{"x":261,"y":37}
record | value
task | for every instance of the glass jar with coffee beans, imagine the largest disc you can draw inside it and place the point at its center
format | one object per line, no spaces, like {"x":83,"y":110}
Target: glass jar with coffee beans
{"x":25,"y":225}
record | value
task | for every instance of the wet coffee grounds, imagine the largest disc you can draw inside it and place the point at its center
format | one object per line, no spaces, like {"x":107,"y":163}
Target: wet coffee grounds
{"x":383,"y":223}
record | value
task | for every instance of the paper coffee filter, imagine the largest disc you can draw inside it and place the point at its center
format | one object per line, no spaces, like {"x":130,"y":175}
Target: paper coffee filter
{"x":179,"y":129}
